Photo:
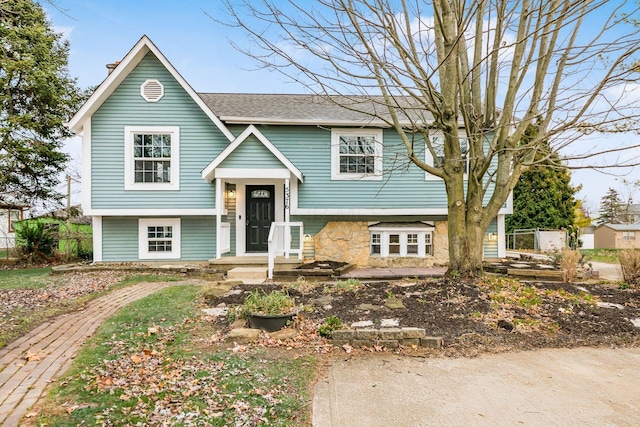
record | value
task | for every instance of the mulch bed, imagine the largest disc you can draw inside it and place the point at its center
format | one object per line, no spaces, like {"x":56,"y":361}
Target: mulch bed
{"x":478,"y":317}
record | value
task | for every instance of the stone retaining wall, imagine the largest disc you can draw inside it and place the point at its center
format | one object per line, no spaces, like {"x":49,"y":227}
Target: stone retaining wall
{"x":386,"y":337}
{"x":348,"y":241}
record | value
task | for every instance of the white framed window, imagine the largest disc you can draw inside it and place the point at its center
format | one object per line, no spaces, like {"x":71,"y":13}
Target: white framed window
{"x":428,"y":243}
{"x":14,"y":216}
{"x":152,"y":158}
{"x":356,"y":154}
{"x":628,"y":235}
{"x":412,"y":244}
{"x":399,"y":241}
{"x":376,"y":244}
{"x":438,"y":146}
{"x":159,"y":238}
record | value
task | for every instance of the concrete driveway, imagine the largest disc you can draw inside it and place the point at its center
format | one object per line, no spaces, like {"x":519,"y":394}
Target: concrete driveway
{"x":559,"y":387}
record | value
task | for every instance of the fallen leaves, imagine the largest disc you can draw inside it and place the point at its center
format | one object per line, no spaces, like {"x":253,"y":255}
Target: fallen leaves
{"x":14,"y":303}
{"x":32,"y":357}
{"x":162,"y":390}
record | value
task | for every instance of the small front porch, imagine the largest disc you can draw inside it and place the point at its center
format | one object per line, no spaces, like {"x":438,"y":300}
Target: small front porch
{"x":254,"y":184}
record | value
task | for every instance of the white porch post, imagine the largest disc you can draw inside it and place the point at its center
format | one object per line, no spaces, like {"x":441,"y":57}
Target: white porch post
{"x":502,"y":240}
{"x":219,"y":209}
{"x":287,"y":218}
{"x":96,"y":225}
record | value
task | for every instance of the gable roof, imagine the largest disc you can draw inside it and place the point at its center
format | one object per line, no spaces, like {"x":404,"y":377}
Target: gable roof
{"x":291,"y":109}
{"x":122,"y":70}
{"x":209,"y":172}
{"x":622,"y":227}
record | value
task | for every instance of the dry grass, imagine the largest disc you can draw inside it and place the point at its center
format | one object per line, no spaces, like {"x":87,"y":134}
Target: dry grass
{"x":569,"y":264}
{"x":630,"y":266}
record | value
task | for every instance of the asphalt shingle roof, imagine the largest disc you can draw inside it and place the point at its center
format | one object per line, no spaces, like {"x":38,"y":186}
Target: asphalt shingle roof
{"x":249,"y":108}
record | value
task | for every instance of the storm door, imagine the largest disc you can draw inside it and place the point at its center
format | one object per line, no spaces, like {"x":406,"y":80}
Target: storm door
{"x":260,"y":214}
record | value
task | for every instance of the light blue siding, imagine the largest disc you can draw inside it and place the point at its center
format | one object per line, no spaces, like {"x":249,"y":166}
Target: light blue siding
{"x":313,"y":224}
{"x":252,"y":154}
{"x":200,"y":142}
{"x":198,"y":238}
{"x":120,"y":238}
{"x":402,"y":186}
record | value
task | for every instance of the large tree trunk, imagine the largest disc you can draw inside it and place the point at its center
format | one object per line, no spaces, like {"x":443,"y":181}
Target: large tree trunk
{"x":465,"y":232}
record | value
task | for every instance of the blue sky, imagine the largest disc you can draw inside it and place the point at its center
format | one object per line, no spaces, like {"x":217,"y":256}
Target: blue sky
{"x":103,"y":31}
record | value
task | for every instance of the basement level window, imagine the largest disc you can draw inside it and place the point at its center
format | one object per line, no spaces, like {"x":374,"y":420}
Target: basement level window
{"x":401,"y":240}
{"x":159,"y":238}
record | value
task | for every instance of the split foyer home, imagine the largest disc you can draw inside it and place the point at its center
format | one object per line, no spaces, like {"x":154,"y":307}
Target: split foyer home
{"x":173,"y":174}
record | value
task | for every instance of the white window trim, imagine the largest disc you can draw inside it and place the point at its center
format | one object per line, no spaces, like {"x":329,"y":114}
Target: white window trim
{"x":129,"y":166}
{"x":335,"y":154}
{"x":385,"y":232}
{"x":428,"y":157}
{"x":143,"y":241}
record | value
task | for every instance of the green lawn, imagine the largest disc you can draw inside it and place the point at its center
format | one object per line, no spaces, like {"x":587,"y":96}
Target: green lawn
{"x":601,"y":255}
{"x":25,"y":278}
{"x":152,"y":364}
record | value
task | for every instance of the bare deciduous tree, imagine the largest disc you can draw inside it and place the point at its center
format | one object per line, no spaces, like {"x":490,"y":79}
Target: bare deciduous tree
{"x":490,"y":69}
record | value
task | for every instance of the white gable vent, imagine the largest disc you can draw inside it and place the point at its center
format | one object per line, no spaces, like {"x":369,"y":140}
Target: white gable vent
{"x":152,"y":90}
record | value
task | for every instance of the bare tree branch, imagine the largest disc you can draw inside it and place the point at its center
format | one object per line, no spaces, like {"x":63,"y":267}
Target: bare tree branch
{"x":481,"y":72}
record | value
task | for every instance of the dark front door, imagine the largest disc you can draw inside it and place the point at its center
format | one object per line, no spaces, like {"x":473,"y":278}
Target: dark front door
{"x":260,"y":215}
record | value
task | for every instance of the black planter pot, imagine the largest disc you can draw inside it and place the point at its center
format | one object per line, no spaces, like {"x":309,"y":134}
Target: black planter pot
{"x":269,"y":323}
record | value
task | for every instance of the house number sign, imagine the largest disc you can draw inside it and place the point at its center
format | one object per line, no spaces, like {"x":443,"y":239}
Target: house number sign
{"x":260,"y":194}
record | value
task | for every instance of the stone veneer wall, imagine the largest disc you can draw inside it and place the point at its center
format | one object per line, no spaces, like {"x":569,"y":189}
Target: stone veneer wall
{"x":345,"y":242}
{"x":348,"y":241}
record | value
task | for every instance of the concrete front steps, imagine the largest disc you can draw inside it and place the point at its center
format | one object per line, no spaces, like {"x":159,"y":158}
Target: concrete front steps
{"x":251,"y":269}
{"x":230,"y":262}
{"x":248,"y":275}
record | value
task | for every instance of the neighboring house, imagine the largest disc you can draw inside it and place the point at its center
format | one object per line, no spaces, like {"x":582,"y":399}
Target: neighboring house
{"x":628,"y":213}
{"x":631,"y":213}
{"x":171,"y":174}
{"x":617,"y":236}
{"x":9,"y":215}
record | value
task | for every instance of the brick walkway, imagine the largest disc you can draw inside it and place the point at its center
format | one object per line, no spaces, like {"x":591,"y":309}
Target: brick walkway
{"x":56,"y":342}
